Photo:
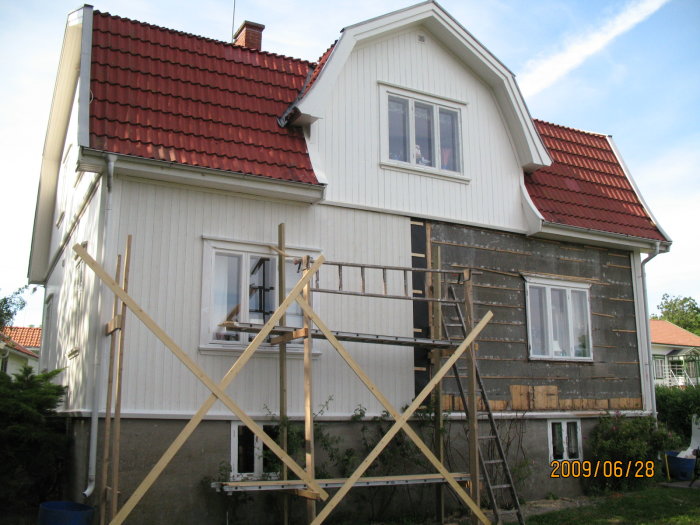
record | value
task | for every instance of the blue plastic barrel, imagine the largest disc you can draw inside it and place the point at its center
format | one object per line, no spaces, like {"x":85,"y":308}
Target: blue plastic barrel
{"x":65,"y":513}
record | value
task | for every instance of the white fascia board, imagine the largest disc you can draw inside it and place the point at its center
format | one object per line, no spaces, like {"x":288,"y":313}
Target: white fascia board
{"x":564,"y":232}
{"x":93,"y":160}
{"x":533,"y":217}
{"x":532,"y":153}
{"x":628,"y":174}
{"x":74,"y":38}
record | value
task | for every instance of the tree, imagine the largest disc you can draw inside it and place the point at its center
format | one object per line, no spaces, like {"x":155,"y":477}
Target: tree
{"x":10,"y":305}
{"x":681,"y":311}
{"x":33,"y":441}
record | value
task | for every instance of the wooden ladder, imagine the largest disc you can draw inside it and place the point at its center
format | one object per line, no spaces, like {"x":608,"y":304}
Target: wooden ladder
{"x":492,"y":459}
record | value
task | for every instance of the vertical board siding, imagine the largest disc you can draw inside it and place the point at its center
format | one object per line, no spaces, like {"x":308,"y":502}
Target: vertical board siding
{"x":168,"y":223}
{"x":347,"y":138}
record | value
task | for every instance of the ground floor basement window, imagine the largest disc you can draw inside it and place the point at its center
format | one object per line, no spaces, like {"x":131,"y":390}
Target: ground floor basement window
{"x":558,"y":319}
{"x":250,"y":457}
{"x":564,"y":439}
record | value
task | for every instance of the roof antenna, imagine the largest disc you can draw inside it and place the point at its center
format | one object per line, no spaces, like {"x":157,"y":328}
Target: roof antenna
{"x":233,"y":20}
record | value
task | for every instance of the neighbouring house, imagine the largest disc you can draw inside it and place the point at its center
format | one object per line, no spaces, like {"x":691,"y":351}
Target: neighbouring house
{"x":13,"y":355}
{"x":676,"y":354}
{"x":28,"y":336}
{"x":408,"y":144}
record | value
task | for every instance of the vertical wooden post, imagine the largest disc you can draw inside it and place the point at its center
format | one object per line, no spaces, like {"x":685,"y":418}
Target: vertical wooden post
{"x":436,"y":358}
{"x":308,"y":407}
{"x":116,"y":443}
{"x":473,"y":407}
{"x":107,"y":437}
{"x":281,"y":294}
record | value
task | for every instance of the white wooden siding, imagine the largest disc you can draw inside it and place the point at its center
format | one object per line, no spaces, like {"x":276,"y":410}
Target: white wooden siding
{"x":345,"y":143}
{"x":168,"y":223}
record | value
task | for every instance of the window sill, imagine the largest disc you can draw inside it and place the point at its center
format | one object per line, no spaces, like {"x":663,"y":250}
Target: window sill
{"x":425,"y":171}
{"x":559,"y":359}
{"x":235,"y":350}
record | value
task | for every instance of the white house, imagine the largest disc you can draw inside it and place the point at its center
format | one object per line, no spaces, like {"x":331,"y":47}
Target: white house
{"x":676,"y":354}
{"x":406,"y":139}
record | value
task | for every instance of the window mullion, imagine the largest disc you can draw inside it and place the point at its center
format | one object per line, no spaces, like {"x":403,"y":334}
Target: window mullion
{"x":570,"y":322}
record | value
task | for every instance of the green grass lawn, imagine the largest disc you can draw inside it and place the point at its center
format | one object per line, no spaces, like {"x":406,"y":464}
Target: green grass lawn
{"x":653,"y":506}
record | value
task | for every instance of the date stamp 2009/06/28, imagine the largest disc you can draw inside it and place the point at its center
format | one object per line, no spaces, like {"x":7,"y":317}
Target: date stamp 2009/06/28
{"x":597,"y":468}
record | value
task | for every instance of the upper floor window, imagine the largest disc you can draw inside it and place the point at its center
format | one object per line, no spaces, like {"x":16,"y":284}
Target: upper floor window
{"x":422,"y":132}
{"x":559,"y":324}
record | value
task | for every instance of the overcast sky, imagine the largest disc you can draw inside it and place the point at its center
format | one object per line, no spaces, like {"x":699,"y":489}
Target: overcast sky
{"x":630,"y":69}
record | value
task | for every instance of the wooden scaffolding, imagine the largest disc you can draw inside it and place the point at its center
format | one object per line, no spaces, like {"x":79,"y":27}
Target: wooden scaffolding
{"x":445,"y":352}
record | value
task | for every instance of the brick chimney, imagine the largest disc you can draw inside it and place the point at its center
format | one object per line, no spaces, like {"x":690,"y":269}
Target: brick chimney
{"x":249,"y":35}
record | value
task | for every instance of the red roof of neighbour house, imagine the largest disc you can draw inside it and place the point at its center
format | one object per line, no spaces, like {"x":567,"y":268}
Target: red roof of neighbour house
{"x":666,"y":333}
{"x":166,"y":95}
{"x":27,"y":336}
{"x":170,"y":96}
{"x":17,"y":347}
{"x":586,"y":185}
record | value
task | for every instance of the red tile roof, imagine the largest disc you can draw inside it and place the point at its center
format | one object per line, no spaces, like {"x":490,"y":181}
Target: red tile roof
{"x":167,"y":95}
{"x":25,"y":336}
{"x":667,"y":333}
{"x":17,"y":347}
{"x":320,"y":65}
{"x":586,"y":185}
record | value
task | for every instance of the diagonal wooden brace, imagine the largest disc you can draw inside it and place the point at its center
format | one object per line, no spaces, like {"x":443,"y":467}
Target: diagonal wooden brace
{"x":401,"y":423}
{"x":217,"y":390}
{"x":390,"y":408}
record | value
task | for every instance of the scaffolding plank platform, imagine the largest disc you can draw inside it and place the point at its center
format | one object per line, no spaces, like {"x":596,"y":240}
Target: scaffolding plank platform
{"x":295,"y":484}
{"x":349,"y":336}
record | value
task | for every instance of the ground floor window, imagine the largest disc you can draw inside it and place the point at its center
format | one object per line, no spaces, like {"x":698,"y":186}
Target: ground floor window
{"x":564,"y":439}
{"x":239,"y":285}
{"x":250,"y":457}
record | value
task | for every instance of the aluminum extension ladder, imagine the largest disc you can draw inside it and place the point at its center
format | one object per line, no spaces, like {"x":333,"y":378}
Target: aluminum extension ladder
{"x":492,"y":459}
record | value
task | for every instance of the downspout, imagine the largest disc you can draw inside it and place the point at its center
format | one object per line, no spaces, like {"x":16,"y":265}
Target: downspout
{"x":647,"y":329}
{"x":105,"y":205}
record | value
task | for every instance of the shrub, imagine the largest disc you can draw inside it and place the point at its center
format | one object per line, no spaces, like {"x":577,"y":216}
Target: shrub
{"x":33,"y":443}
{"x":675,"y":407}
{"x":627,"y":440}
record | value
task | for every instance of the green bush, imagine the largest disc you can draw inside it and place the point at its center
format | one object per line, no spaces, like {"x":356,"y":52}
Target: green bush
{"x":627,"y":440}
{"x":675,"y":407}
{"x":33,"y":443}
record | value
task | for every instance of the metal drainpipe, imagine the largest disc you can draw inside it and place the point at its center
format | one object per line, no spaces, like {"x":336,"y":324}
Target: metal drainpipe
{"x":95,"y":415}
{"x":647,"y":329}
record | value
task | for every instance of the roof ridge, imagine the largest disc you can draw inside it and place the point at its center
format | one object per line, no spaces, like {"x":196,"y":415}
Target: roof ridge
{"x":200,"y":37}
{"x":576,"y":130}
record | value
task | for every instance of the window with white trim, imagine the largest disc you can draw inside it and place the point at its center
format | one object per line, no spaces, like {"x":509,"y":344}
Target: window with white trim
{"x":564,"y":439}
{"x":421,"y":132}
{"x":558,"y":319}
{"x":659,"y":367}
{"x":239,"y":285}
{"x":250,"y":457}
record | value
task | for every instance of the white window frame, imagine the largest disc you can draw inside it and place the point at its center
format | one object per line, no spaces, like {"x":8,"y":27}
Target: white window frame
{"x":568,"y":286}
{"x":258,"y":448}
{"x":564,"y":428}
{"x":388,"y":90}
{"x":212,"y":246}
